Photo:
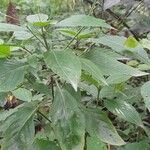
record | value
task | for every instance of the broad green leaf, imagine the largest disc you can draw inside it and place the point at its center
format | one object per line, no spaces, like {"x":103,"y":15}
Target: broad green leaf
{"x":39,"y":20}
{"x":145,"y":91}
{"x":131,"y":42}
{"x":11,"y":74}
{"x":45,"y":145}
{"x":94,"y":143}
{"x":4,"y":51}
{"x":124,"y":110}
{"x":5,"y":27}
{"x":22,"y":94}
{"x":82,"y":21}
{"x":99,"y":125}
{"x":93,"y":70}
{"x":110,"y":66}
{"x":68,"y":121}
{"x":18,"y":128}
{"x":65,"y":64}
{"x":117,"y":44}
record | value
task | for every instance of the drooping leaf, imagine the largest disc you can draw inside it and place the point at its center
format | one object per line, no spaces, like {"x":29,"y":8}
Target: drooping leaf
{"x":93,"y":70}
{"x":82,"y":21}
{"x":5,"y":27}
{"x":110,"y":66}
{"x":22,"y":94}
{"x":39,"y":20}
{"x":65,"y":64}
{"x":4,"y":51}
{"x":18,"y":128}
{"x":11,"y":74}
{"x":99,"y":125}
{"x":124,"y":110}
{"x":145,"y":91}
{"x":117,"y":44}
{"x":68,"y":121}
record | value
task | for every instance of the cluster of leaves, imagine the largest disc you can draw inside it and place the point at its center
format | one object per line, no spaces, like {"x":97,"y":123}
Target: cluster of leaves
{"x":70,"y":86}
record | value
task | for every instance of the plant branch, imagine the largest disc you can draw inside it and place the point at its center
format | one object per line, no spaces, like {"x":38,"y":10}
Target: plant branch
{"x":79,"y":31}
{"x":44,"y":116}
{"x":36,"y":37}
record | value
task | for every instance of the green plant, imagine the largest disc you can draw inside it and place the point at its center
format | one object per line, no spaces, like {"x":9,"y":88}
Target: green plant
{"x":64,"y":87}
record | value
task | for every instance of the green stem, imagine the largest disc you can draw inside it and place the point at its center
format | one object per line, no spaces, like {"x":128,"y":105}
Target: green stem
{"x":36,"y":37}
{"x":44,"y":116}
{"x":79,"y":31}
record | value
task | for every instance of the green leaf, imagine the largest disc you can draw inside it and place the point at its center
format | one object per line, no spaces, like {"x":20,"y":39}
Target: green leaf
{"x":142,"y":145}
{"x":5,"y":27}
{"x":94,"y":143}
{"x":124,"y":110}
{"x":39,"y":20}
{"x":82,"y":21}
{"x":131,"y":42}
{"x":11,"y":74}
{"x":72,"y":33}
{"x":117,"y":44}
{"x":110,"y":66}
{"x":22,"y":35}
{"x":65,"y":64}
{"x":145,"y":91}
{"x":45,"y":145}
{"x":99,"y":125}
{"x":68,"y":121}
{"x":93,"y":70}
{"x":4,"y":51}
{"x":18,"y":128}
{"x":22,"y":94}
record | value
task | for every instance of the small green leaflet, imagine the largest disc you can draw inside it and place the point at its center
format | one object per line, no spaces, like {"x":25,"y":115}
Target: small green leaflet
{"x":65,"y":64}
{"x":131,"y":42}
{"x":39,"y":20}
{"x":4,"y":51}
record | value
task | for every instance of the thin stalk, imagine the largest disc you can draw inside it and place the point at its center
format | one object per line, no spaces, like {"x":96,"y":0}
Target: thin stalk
{"x":44,"y":116}
{"x":26,"y":50}
{"x":45,"y":40}
{"x":79,"y":31}
{"x":36,"y":37}
{"x":52,"y":86}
